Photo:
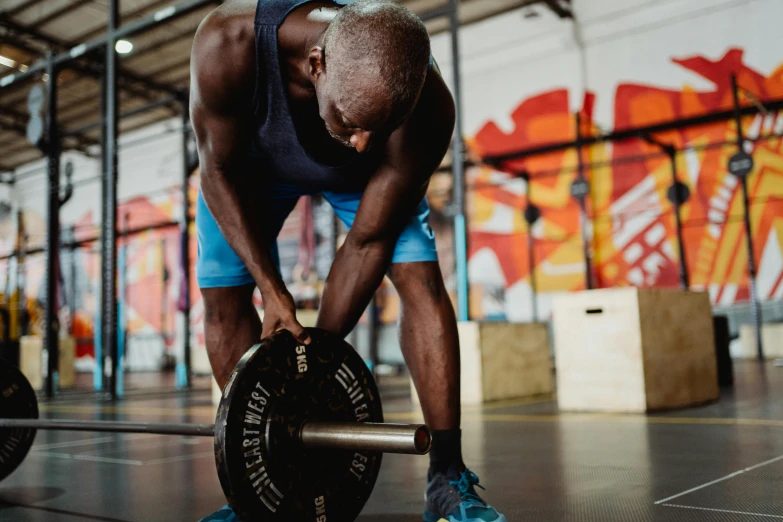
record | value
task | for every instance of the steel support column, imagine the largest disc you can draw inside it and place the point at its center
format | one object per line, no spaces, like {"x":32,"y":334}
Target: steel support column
{"x":754,"y":298}
{"x":184,"y":373}
{"x":458,"y":164}
{"x":582,"y":198}
{"x":109,"y":239}
{"x":674,"y":196}
{"x":684,"y":279}
{"x":531,"y":248}
{"x":52,"y":146}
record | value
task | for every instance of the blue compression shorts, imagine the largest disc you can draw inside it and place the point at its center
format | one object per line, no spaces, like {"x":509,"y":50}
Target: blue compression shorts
{"x":218,"y":265}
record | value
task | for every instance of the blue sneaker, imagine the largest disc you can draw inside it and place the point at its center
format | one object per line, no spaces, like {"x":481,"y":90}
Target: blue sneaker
{"x":224,"y":514}
{"x":457,"y":500}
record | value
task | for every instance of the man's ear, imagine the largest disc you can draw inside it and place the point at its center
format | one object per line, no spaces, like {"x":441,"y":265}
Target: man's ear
{"x":317,"y":61}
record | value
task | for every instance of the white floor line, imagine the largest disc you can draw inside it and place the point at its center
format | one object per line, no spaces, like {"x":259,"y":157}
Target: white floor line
{"x":153,"y":444}
{"x":68,"y":456}
{"x":109,"y":460}
{"x":724,"y":511}
{"x":727,"y":477}
{"x":180,"y":458}
{"x":72,"y":443}
{"x":85,"y":442}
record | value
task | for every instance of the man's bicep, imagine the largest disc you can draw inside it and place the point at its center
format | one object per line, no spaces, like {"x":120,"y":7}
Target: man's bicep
{"x":222,"y":80}
{"x":221,"y":138}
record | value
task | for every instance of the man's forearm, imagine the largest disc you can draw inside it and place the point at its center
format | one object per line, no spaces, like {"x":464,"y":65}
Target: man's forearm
{"x":356,"y":274}
{"x":237,"y":217}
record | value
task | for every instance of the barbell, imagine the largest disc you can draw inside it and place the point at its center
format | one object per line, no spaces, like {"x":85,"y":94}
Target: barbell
{"x":298,"y":435}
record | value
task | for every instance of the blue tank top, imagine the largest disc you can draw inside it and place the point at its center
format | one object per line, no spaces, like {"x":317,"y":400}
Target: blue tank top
{"x":276,"y":148}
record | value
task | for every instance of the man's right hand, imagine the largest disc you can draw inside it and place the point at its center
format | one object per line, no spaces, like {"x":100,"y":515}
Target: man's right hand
{"x":280,"y":314}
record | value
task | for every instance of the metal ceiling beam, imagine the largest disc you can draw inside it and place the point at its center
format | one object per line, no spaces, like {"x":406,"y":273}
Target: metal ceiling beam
{"x":435,"y":13}
{"x":13,"y":126}
{"x":23,"y":146}
{"x":561,"y":8}
{"x":93,"y":33}
{"x":23,"y":7}
{"x":167,"y":14}
{"x":79,"y":103}
{"x":6,"y":110}
{"x":467,"y":16}
{"x":59,"y":13}
{"x":180,"y":77}
{"x":6,"y":21}
{"x":156,"y":46}
{"x":165,"y":102}
{"x":60,"y":45}
{"x":22,"y":46}
{"x":18,"y":124}
{"x":168,"y":67}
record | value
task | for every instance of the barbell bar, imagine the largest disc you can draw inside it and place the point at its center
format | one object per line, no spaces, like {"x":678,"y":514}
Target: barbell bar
{"x":413,"y":439}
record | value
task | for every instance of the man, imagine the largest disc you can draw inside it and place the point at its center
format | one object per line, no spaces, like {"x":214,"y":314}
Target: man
{"x":294,"y":97}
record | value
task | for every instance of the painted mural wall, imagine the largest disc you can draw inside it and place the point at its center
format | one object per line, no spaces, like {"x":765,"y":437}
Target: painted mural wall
{"x":626,"y":63}
{"x":150,"y":269}
{"x":150,"y":197}
{"x":622,"y":65}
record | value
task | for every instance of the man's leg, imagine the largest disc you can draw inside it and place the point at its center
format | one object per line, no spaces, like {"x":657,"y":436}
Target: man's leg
{"x":231,"y":323}
{"x":428,"y":328}
{"x":231,"y":327}
{"x":430,"y":344}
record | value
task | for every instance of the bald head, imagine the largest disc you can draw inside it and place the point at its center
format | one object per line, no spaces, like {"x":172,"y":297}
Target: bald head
{"x":378,"y":47}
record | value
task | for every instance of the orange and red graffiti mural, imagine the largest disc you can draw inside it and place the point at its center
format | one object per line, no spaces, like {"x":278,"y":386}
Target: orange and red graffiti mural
{"x":633,"y":236}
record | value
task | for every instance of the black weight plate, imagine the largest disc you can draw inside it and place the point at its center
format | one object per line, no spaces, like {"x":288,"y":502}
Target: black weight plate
{"x":17,"y":401}
{"x":265,"y":472}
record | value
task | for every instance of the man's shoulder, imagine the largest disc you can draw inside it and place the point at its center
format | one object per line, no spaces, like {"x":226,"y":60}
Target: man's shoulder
{"x":420,"y":144}
{"x":436,"y":99}
{"x":434,"y":108}
{"x":224,"y":54}
{"x":228,"y":26}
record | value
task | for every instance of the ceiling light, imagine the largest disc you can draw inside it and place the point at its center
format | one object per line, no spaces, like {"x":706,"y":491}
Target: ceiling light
{"x":7,"y":61}
{"x":123,"y":46}
{"x":23,"y":67}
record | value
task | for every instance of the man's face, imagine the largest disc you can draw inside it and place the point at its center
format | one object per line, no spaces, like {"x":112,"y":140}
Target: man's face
{"x":358,"y":115}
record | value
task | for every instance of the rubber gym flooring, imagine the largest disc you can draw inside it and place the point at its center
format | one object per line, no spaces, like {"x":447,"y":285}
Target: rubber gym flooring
{"x":720,"y":462}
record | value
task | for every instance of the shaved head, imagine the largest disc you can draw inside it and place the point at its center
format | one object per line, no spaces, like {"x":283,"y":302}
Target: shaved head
{"x":377,"y":53}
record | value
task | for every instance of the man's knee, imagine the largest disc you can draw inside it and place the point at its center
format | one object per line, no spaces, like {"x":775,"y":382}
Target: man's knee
{"x":418,"y":281}
{"x":227,"y":306}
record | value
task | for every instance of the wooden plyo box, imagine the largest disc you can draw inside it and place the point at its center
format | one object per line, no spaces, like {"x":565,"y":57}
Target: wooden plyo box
{"x":30,"y":361}
{"x":771,"y":340}
{"x":634,"y":350}
{"x":502,"y":361}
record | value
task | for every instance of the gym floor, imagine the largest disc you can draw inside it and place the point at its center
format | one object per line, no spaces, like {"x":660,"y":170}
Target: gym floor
{"x":720,"y":462}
